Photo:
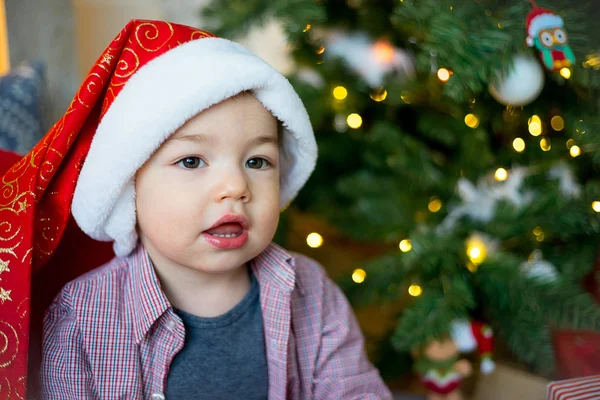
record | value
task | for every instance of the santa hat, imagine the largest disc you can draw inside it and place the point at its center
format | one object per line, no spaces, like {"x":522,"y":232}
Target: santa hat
{"x":151,"y":79}
{"x":538,"y":19}
{"x":472,"y":335}
{"x":157,"y":85}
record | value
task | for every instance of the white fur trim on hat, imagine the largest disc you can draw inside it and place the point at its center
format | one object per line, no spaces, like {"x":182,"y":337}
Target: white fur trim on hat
{"x":462,"y":335}
{"x":544,"y":21}
{"x":179,"y":84}
{"x":529,"y":41}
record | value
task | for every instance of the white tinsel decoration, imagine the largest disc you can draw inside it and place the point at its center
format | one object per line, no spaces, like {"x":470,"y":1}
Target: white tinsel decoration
{"x":479,"y":202}
{"x":566,"y":180}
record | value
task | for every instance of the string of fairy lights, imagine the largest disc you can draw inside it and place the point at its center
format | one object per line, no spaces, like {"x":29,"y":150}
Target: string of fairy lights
{"x":535,"y":126}
{"x":476,"y":251}
{"x":475,"y":248}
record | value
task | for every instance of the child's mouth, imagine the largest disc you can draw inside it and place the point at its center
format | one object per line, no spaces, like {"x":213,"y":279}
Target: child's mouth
{"x":231,"y":235}
{"x":225,"y":235}
{"x":229,"y":230}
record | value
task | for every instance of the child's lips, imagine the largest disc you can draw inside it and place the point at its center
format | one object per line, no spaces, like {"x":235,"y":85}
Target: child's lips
{"x":226,"y":229}
{"x":231,"y":219}
{"x":229,"y":232}
{"x":227,"y":241}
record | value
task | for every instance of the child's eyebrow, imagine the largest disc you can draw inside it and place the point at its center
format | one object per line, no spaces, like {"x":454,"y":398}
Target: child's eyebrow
{"x":263,"y":140}
{"x":197,"y":137}
{"x":204,"y":139}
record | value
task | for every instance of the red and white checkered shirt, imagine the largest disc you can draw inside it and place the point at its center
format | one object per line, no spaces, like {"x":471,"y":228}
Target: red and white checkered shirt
{"x":112,"y":334}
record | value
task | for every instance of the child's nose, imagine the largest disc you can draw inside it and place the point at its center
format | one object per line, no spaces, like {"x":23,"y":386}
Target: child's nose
{"x":233,"y":185}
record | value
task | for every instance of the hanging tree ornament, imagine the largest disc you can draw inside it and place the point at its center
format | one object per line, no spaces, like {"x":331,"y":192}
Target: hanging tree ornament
{"x":522,"y":85}
{"x":545,"y":31}
{"x":372,"y":60}
{"x":539,"y":269}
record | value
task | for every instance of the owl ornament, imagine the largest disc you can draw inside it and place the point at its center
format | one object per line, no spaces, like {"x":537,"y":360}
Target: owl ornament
{"x":545,"y":31}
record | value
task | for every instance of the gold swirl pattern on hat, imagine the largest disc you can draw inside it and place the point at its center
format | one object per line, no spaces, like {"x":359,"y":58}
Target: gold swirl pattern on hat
{"x":91,"y":80}
{"x":52,"y":149}
{"x":7,"y":230}
{"x":10,"y":250}
{"x":124,"y":68}
{"x":92,"y":83}
{"x":43,"y":251}
{"x":22,"y":382}
{"x":5,"y":388}
{"x":40,"y":148}
{"x":153,"y":38}
{"x":108,"y":99}
{"x":12,"y":201}
{"x":45,"y":236}
{"x":10,"y":187}
{"x":26,"y":254}
{"x":118,"y":37}
{"x":8,"y":191}
{"x":23,"y":314}
{"x":16,"y":172}
{"x":9,"y":344}
{"x":199,"y":34}
{"x":50,"y":230}
{"x":16,"y":201}
{"x":47,"y":168}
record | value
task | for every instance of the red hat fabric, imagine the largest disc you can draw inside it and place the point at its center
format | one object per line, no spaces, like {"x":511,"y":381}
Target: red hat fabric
{"x":538,"y":19}
{"x":148,"y":82}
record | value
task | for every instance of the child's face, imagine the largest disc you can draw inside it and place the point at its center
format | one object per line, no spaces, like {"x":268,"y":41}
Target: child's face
{"x":222,"y":162}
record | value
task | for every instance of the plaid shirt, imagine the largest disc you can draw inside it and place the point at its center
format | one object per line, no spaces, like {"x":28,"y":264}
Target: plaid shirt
{"x":112,"y":334}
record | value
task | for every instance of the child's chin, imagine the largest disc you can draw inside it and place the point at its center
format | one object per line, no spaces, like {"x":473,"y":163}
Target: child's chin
{"x":217,"y":263}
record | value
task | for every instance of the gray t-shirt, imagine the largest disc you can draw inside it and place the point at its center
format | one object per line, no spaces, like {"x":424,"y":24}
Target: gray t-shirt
{"x":223,"y":357}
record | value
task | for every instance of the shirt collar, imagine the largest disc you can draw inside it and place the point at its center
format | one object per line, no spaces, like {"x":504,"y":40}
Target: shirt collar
{"x":278,"y":267}
{"x":149,"y":299}
{"x":274,"y":266}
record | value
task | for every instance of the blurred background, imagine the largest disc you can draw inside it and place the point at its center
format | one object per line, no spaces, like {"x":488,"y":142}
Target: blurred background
{"x":459,"y":166}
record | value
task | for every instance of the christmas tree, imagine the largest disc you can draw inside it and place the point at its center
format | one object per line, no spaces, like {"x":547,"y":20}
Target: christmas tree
{"x":463,"y":137}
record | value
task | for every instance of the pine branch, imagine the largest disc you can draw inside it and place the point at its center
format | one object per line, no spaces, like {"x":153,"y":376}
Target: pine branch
{"x":231,"y":18}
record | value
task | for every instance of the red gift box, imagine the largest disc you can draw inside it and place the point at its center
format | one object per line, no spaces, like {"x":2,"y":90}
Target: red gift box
{"x":587,"y":388}
{"x":577,"y":354}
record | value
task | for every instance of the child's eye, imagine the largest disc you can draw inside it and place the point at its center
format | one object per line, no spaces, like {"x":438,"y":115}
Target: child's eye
{"x":257,"y":163}
{"x":191,"y":162}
